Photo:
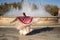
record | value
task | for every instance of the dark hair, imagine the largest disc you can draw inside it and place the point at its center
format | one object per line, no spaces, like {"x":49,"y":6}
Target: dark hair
{"x":24,"y":14}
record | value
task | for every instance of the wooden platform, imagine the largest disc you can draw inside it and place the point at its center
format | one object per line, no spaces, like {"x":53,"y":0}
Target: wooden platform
{"x":53,"y":21}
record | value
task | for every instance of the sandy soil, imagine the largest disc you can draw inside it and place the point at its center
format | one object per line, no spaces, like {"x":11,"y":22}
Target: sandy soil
{"x":37,"y":34}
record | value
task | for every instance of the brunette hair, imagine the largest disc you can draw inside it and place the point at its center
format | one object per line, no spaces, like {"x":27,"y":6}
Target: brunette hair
{"x":24,"y":14}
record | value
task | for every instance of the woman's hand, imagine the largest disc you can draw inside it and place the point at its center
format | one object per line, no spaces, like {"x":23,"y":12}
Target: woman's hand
{"x":13,"y":21}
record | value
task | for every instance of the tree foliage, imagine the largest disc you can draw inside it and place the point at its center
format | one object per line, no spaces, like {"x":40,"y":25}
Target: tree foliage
{"x":52,"y":9}
{"x":6,"y":7}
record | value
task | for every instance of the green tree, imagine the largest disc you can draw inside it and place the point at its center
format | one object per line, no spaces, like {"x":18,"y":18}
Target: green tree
{"x":52,"y":9}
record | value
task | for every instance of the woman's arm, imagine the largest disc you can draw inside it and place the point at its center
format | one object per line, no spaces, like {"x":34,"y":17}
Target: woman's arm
{"x":13,"y":20}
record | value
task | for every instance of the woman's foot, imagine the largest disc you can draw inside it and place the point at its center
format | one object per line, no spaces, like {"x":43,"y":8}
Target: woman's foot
{"x":25,"y":32}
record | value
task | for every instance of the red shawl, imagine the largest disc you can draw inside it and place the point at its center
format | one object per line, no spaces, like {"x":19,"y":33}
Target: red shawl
{"x":25,"y":19}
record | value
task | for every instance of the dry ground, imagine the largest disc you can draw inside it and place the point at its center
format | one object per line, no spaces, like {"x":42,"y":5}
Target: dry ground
{"x":37,"y":34}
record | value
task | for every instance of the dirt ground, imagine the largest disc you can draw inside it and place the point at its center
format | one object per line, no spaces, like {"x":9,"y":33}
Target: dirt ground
{"x":37,"y":34}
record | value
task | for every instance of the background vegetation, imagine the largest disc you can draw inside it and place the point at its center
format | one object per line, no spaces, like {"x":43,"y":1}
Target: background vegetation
{"x":53,"y":10}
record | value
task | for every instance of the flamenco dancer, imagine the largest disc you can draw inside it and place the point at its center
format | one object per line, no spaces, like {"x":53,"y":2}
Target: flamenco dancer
{"x":23,"y":24}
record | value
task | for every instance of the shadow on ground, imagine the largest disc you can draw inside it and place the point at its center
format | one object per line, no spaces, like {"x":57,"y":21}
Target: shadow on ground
{"x":36,"y":31}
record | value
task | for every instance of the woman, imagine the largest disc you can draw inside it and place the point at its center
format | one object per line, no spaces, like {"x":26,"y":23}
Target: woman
{"x":23,"y":24}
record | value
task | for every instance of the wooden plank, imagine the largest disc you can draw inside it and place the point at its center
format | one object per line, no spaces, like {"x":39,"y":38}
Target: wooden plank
{"x":35,"y":26}
{"x":39,"y":25}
